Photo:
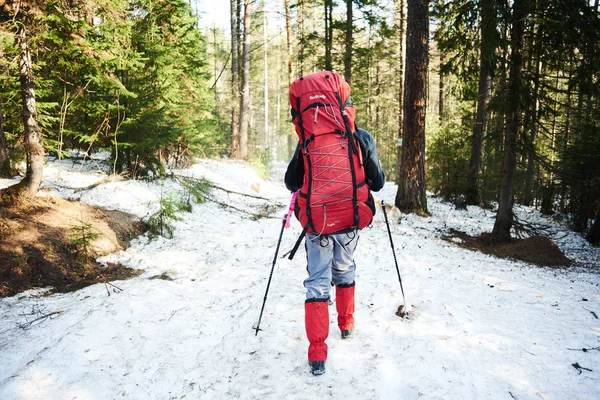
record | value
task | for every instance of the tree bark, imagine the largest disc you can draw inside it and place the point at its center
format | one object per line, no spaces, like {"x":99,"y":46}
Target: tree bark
{"x":593,"y":235}
{"x":504,"y":216}
{"x":487,"y":49}
{"x":301,"y":17}
{"x":240,"y":37}
{"x":441,"y":91}
{"x":377,"y":98}
{"x":288,"y":39}
{"x":411,"y":196}
{"x":400,"y":75}
{"x":532,"y":124}
{"x":266,"y":81}
{"x":328,"y":34}
{"x":245,"y":98}
{"x":4,"y":160}
{"x":235,"y":85}
{"x":33,"y":148}
{"x":349,"y":42}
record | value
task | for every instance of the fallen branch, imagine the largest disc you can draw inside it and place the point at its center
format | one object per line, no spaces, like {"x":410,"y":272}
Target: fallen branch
{"x":212,"y":185}
{"x":592,"y":312}
{"x":175,"y":312}
{"x":585,"y":350}
{"x":253,"y":216}
{"x":580,"y":368}
{"x":115,"y":286}
{"x":110,"y":178}
{"x":43,"y":317}
{"x":523,"y":228}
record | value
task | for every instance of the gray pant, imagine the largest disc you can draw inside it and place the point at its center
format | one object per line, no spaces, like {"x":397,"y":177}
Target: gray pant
{"x":329,"y":259}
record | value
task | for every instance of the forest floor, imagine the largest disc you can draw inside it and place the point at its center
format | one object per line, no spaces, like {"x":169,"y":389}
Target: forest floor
{"x":480,"y":326}
{"x":539,"y":250}
{"x":52,"y":242}
{"x":38,"y":245}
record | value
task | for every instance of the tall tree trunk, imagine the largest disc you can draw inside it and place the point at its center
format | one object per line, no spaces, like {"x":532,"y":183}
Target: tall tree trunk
{"x":567,"y":133}
{"x":288,"y":39}
{"x":349,"y":42}
{"x":400,"y":75}
{"x":411,"y":196}
{"x":240,"y":39}
{"x":277,"y":143}
{"x":301,"y":19}
{"x":377,"y":99}
{"x":532,"y":124}
{"x":593,"y":235}
{"x":245,"y":98}
{"x":35,"y":152}
{"x":266,"y":81}
{"x":235,"y":85}
{"x":4,"y":161}
{"x":504,"y":216}
{"x":487,"y":49}
{"x":215,"y":66}
{"x":441,"y":91}
{"x":328,"y":34}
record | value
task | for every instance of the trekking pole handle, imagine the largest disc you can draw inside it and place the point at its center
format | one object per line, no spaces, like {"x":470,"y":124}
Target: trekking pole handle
{"x":288,"y":216}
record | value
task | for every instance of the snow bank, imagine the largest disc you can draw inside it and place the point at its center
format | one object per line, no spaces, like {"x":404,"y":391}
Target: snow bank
{"x":481,"y":327}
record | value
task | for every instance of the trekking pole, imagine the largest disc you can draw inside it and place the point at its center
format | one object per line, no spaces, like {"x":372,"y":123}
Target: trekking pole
{"x":284,"y":225}
{"x":395,"y":260}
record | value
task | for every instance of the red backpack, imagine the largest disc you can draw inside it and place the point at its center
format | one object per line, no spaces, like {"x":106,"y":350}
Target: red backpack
{"x":333,"y":195}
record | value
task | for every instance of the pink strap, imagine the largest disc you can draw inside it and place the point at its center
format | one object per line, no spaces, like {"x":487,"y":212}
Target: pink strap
{"x":291,"y":209}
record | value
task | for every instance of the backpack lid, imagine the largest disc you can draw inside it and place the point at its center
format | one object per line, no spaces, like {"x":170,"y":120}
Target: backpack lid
{"x":321,"y":88}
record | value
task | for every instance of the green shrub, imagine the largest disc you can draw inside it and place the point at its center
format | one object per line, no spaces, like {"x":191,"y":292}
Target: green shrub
{"x":82,"y":237}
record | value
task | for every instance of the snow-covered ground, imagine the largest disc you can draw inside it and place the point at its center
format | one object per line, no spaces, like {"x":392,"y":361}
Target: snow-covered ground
{"x":481,"y":327}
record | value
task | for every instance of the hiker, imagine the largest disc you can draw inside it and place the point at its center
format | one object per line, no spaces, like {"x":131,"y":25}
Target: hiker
{"x":334,"y":167}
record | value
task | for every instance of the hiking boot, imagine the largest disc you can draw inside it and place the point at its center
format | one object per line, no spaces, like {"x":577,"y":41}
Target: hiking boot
{"x":317,"y":367}
{"x":347,"y":334}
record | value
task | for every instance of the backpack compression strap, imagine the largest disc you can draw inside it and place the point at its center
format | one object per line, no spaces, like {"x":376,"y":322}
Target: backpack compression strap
{"x":351,"y":149}
{"x":310,"y":172}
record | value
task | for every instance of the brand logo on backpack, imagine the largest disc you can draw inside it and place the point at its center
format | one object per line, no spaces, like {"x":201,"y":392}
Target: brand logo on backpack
{"x":318,"y":96}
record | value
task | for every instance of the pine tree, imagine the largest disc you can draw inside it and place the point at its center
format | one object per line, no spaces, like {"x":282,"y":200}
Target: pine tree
{"x":245,"y":92}
{"x":20,"y":19}
{"x":504,"y":215}
{"x":486,"y":68}
{"x":411,"y":195}
{"x":235,"y":87}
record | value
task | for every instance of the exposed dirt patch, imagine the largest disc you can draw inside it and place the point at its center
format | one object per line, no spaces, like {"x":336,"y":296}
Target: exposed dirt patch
{"x":538,"y":250}
{"x":38,"y":244}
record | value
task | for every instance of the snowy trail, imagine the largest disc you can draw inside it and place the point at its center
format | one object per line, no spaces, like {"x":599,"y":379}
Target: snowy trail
{"x":481,"y":328}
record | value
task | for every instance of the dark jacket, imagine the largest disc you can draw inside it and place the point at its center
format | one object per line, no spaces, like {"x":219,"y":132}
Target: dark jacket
{"x":294,"y":176}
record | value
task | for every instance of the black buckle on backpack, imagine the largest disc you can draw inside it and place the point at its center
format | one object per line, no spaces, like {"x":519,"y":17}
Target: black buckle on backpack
{"x":341,"y":132}
{"x":307,"y":142}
